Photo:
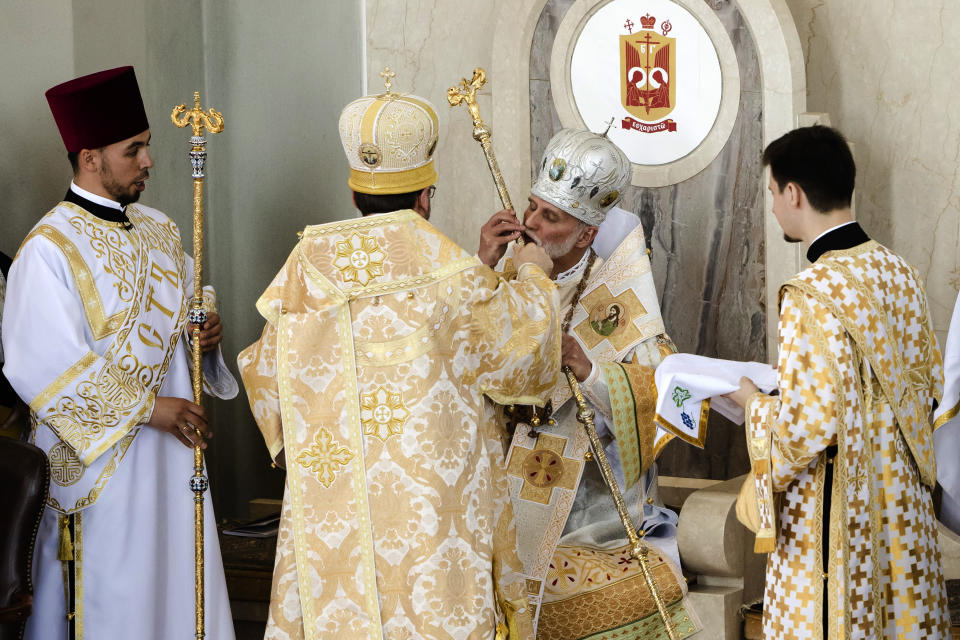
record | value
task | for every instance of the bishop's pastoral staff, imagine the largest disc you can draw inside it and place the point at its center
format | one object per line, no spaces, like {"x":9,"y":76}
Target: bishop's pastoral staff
{"x":848,"y":444}
{"x":94,"y":340}
{"x":384,"y":343}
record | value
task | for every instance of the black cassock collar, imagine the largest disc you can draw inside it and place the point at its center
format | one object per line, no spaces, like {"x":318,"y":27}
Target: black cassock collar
{"x":104,"y":213}
{"x":845,"y":236}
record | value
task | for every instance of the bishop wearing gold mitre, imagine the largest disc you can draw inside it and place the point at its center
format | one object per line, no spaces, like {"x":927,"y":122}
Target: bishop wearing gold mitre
{"x":383,"y":345}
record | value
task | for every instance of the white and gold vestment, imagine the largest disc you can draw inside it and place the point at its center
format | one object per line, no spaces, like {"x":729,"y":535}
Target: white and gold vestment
{"x":93,"y":334}
{"x":859,"y":369}
{"x":382,"y":340}
{"x":580,"y":577}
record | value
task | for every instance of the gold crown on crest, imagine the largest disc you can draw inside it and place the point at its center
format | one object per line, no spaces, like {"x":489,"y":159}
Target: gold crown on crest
{"x":389,"y":140}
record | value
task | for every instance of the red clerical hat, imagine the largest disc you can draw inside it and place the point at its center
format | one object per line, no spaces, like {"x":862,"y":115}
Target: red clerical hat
{"x":99,"y":109}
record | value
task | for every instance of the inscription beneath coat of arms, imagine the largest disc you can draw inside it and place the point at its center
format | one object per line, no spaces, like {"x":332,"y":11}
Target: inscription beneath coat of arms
{"x":648,"y":64}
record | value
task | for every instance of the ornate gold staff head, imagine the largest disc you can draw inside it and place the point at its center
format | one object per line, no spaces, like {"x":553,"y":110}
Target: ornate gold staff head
{"x":212,"y":121}
{"x":199,"y":119}
{"x":466,"y":92}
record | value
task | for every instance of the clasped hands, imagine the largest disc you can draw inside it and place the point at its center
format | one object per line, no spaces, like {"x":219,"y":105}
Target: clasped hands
{"x":182,"y":419}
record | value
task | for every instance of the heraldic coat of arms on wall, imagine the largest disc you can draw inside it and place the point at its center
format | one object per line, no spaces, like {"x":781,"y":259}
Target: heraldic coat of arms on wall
{"x":648,"y":69}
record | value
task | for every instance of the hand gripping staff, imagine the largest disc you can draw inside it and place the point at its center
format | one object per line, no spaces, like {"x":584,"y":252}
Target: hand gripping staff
{"x":466,"y":92}
{"x":212,"y":121}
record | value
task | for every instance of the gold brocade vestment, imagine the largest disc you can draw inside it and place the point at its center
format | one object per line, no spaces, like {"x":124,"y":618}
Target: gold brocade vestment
{"x":382,"y":339}
{"x":581,"y":579}
{"x":858,"y":367}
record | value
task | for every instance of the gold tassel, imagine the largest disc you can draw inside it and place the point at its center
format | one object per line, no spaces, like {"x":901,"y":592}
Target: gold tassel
{"x":66,"y":541}
{"x":764,"y":544}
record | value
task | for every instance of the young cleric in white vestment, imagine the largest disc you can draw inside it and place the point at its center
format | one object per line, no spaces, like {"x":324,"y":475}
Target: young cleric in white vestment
{"x":843,"y":459}
{"x":94,"y":341}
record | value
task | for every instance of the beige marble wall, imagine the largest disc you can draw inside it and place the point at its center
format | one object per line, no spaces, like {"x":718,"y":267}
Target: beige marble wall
{"x":886,"y":73}
{"x":430,"y":45}
{"x":34,"y":170}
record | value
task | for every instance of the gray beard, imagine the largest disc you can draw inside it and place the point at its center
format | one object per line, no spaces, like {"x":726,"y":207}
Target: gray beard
{"x":556,"y":249}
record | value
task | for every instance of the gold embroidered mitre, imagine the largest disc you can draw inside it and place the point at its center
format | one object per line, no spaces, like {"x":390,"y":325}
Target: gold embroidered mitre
{"x":389,"y":140}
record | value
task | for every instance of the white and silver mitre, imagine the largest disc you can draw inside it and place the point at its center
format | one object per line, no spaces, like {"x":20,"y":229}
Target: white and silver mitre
{"x":582,"y":173}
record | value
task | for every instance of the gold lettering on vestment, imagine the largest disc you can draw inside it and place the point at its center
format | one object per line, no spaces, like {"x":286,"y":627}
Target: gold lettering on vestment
{"x":150,"y":339}
{"x":151,"y":302}
{"x":158,"y":273}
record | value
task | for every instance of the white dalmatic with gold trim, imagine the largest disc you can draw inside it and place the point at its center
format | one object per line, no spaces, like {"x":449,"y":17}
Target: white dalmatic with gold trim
{"x":579,"y":574}
{"x":858,"y":368}
{"x":93,"y":333}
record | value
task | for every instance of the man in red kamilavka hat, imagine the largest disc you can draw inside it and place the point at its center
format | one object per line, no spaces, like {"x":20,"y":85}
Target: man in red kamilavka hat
{"x":93,"y":336}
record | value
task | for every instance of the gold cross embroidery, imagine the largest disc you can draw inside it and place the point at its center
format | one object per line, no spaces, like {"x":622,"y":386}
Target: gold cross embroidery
{"x":324,"y":457}
{"x":543,"y":468}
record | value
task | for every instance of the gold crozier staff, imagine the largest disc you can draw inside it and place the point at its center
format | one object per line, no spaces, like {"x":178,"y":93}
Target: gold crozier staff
{"x":212,"y":121}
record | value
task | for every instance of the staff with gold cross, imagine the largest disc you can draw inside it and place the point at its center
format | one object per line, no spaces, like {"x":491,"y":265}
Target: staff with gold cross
{"x":465,"y":93}
{"x":211,"y":121}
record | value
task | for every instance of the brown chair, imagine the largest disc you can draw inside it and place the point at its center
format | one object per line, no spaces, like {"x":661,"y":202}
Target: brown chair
{"x":24,"y":482}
